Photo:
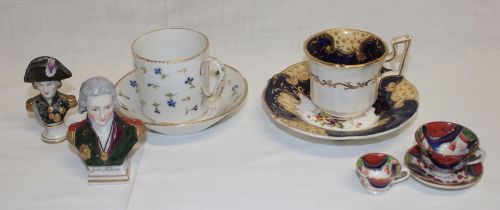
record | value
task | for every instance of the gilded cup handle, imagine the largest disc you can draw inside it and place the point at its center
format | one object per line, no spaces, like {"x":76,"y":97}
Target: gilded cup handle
{"x":406,"y":40}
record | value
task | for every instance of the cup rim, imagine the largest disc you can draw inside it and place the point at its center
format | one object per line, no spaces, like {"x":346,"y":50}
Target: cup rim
{"x":345,"y":66}
{"x":398,"y":169}
{"x":179,"y":60}
{"x":421,"y":146}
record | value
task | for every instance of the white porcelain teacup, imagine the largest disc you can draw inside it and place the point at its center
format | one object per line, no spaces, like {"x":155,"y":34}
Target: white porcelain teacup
{"x":175,"y":74}
{"x":345,"y":67}
{"x":377,"y":172}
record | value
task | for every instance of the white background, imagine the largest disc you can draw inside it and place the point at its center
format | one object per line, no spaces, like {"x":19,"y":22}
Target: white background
{"x":246,"y":162}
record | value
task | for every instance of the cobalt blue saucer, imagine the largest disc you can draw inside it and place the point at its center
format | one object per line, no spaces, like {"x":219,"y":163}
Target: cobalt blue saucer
{"x":286,"y":100}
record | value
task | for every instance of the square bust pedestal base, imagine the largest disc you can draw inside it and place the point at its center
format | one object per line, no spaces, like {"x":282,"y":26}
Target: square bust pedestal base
{"x":103,"y":175}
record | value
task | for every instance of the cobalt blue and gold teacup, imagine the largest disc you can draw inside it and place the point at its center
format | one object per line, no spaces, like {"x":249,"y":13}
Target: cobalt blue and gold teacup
{"x":345,"y":67}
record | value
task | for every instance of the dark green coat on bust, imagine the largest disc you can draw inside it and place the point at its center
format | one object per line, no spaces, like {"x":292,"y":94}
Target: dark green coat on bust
{"x":124,"y":136}
{"x":54,"y":113}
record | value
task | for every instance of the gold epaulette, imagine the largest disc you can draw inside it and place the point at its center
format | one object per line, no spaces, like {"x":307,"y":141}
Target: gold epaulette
{"x":29,"y":104}
{"x":138,"y":124}
{"x":70,"y":98}
{"x":70,"y":136}
{"x":140,"y":129}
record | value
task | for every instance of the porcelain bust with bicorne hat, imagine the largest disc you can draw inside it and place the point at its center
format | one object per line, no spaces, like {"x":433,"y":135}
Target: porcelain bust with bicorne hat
{"x":50,"y":106}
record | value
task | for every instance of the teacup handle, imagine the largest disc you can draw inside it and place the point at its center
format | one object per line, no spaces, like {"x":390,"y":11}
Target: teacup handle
{"x":406,"y":40}
{"x":208,"y":89}
{"x":479,"y":155}
{"x":403,"y":175}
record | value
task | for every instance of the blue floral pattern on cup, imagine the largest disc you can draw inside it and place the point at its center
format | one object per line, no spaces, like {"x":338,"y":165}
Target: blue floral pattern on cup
{"x":133,"y":83}
{"x":158,"y":72}
{"x":158,"y":75}
{"x":189,"y":81}
{"x":171,"y":103}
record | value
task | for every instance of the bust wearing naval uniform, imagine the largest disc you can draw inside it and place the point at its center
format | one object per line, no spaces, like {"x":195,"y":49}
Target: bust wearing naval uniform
{"x":104,"y":138}
{"x":50,"y":106}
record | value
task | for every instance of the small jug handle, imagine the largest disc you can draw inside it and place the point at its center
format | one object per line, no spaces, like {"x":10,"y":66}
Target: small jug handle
{"x":406,"y":39}
{"x":207,"y":88}
{"x":403,"y":175}
{"x":479,"y":156}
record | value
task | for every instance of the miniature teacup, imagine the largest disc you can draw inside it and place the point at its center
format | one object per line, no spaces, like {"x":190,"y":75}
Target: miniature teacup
{"x":175,"y":74}
{"x":345,"y":67}
{"x":448,"y":147}
{"x":378,"y":171}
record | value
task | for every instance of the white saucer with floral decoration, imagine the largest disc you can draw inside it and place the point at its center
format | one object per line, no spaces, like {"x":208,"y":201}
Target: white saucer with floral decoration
{"x":231,"y":97}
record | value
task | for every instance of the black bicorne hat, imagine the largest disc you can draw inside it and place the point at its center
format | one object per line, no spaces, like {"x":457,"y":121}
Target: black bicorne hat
{"x":46,"y":68}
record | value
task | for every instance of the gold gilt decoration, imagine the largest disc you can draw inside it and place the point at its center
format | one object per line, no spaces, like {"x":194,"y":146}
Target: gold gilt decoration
{"x":84,"y":152}
{"x":140,"y":130}
{"x":381,"y":122}
{"x":342,"y":43}
{"x":401,"y":92}
{"x":289,"y":103}
{"x":55,"y":117}
{"x":71,"y":100}
{"x":303,"y":126}
{"x":348,"y":41}
{"x":29,"y":104}
{"x":347,"y":85}
{"x":298,"y":73}
{"x":287,"y":100}
{"x":104,"y":156}
{"x":282,"y":101}
{"x":70,"y":136}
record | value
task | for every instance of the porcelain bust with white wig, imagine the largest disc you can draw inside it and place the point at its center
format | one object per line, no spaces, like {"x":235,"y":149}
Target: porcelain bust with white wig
{"x":103,"y":139}
{"x":50,"y":106}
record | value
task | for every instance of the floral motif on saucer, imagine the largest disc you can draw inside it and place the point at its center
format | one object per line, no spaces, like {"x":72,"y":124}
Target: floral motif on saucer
{"x":286,"y":100}
{"x":461,"y":179}
{"x":312,"y":115}
{"x":227,"y":100}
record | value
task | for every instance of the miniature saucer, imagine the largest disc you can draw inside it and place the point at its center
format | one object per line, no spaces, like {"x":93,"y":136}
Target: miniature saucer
{"x":461,"y":179}
{"x":233,"y":92}
{"x":286,"y":100}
